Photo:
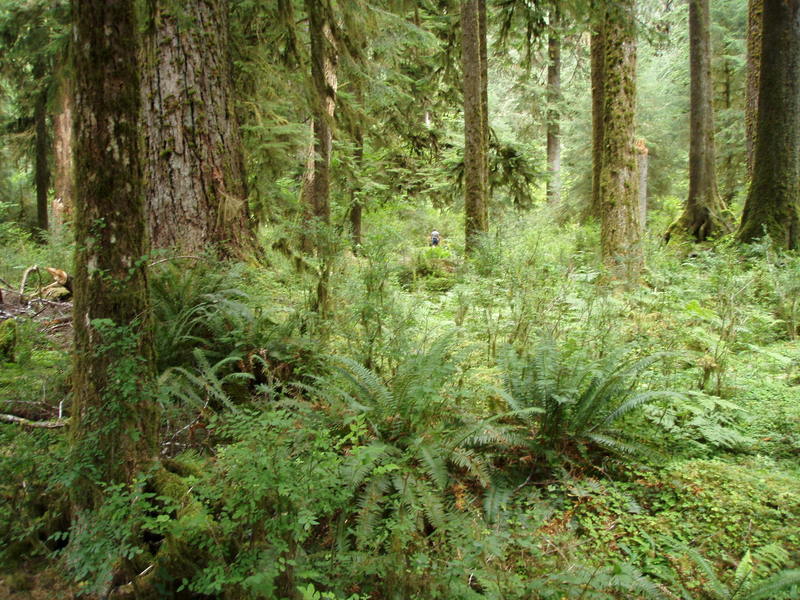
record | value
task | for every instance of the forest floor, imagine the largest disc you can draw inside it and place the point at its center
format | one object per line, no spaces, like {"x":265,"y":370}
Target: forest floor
{"x":716,"y":493}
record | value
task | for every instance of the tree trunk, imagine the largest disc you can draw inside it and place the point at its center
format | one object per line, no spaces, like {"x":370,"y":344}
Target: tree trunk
{"x":114,"y":418}
{"x":324,"y":61}
{"x":597,"y":52}
{"x":63,"y":181}
{"x":772,"y":202}
{"x":755,"y":10}
{"x":42,"y":165}
{"x":704,"y":213}
{"x":474,"y":150}
{"x":643,"y":163}
{"x":487,"y":190}
{"x":553,"y":114}
{"x":620,"y":227}
{"x":355,"y":200}
{"x":196,"y":189}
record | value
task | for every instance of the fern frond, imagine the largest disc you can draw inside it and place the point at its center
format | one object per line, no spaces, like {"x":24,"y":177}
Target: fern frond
{"x":770,"y":587}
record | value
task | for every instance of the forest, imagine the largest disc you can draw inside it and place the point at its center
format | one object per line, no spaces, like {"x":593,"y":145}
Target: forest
{"x":400,"y":299}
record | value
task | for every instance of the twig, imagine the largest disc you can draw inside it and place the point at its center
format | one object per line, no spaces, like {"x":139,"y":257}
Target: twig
{"x":29,"y":423}
{"x":163,"y":260}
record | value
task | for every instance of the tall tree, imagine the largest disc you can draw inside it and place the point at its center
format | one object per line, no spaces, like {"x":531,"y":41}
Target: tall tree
{"x":196,"y":188}
{"x":482,"y":37}
{"x":553,"y":113}
{"x":620,"y":225}
{"x":42,"y":163}
{"x":772,"y":202}
{"x":324,"y":59}
{"x":474,"y":137}
{"x":114,"y":418}
{"x":63,"y":179}
{"x":704,"y":213}
{"x":597,"y":52}
{"x":755,"y":10}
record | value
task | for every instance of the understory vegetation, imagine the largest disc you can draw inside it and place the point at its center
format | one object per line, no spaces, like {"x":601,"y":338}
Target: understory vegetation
{"x":513,"y":425}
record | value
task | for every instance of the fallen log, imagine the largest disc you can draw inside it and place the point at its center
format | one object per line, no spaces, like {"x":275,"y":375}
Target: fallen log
{"x":28,"y":423}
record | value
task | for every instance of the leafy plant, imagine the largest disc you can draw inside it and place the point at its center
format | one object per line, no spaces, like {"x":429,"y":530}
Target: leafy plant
{"x":583,"y":401}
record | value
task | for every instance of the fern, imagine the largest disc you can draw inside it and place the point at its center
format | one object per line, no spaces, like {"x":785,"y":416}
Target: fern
{"x":581,"y":400}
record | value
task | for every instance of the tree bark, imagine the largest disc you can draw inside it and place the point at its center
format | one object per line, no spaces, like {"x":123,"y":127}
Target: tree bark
{"x":63,"y":181}
{"x":771,"y":207}
{"x":643,"y":162}
{"x":42,"y":164}
{"x":324,"y":59}
{"x":482,"y":36}
{"x":196,"y":188}
{"x":553,"y":113}
{"x":114,"y":418}
{"x":620,"y":227}
{"x":597,"y":52}
{"x":755,"y":10}
{"x":704,"y":213}
{"x":474,"y":150}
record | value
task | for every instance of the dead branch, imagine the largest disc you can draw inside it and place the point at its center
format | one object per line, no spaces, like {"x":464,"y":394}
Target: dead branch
{"x":25,"y":280}
{"x":29,"y":423}
{"x":163,"y":260}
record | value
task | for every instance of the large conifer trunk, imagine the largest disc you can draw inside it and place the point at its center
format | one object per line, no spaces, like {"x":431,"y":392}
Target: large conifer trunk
{"x":63,"y":179}
{"x":620,"y":216}
{"x":113,"y":416}
{"x":315,"y":193}
{"x":474,"y":136}
{"x":704,"y":213}
{"x":755,"y":10}
{"x":196,"y":191}
{"x":772,"y":202}
{"x":597,"y":66}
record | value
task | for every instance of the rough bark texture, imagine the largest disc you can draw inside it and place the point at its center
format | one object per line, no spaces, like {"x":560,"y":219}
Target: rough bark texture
{"x":553,"y":115}
{"x":63,"y":180}
{"x":597,"y":66}
{"x":755,"y":10}
{"x":482,"y":33}
{"x":621,"y":228}
{"x":114,"y":418}
{"x":324,"y":59}
{"x":474,"y":150}
{"x":772,"y":202}
{"x":704,"y":213}
{"x":42,"y":165}
{"x":194,"y":167}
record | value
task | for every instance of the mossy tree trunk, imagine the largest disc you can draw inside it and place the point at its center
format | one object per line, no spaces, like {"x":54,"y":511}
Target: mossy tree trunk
{"x":772,"y":202}
{"x":475,"y":220}
{"x":324,"y":61}
{"x":63,"y":179}
{"x":704,"y":214}
{"x":315,"y":195}
{"x":114,"y":417}
{"x":755,"y":10}
{"x":597,"y":55}
{"x":196,"y":187}
{"x":42,"y":159}
{"x":482,"y":37}
{"x":620,"y":225}
{"x":553,"y":113}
